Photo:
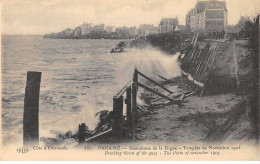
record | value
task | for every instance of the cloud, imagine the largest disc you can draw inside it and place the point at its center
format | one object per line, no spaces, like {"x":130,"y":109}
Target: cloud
{"x":56,"y":15}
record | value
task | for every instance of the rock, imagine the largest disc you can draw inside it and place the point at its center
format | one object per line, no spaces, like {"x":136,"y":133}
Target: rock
{"x":141,"y":137}
{"x":138,"y":130}
{"x":50,"y":141}
{"x":105,"y":118}
{"x":69,"y":141}
{"x":60,"y":136}
{"x":104,"y":127}
{"x":68,"y":134}
{"x":75,"y":136}
{"x":102,"y":113}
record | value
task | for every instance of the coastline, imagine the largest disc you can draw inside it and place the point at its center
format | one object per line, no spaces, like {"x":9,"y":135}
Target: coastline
{"x":224,"y":113}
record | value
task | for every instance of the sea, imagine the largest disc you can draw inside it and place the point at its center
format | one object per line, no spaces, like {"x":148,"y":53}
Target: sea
{"x":79,"y":78}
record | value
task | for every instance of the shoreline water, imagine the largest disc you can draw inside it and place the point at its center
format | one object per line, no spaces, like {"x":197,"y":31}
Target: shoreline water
{"x":202,"y":116}
{"x":78,"y":79}
{"x":74,"y":72}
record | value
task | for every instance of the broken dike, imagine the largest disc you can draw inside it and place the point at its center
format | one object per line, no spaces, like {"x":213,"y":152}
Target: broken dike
{"x":220,"y":95}
{"x":217,"y":66}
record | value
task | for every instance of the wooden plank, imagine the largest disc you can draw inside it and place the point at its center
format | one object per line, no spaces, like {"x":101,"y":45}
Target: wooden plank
{"x":157,"y":93}
{"x":198,"y":83}
{"x":164,"y":78}
{"x":199,"y":63}
{"x":192,"y":79}
{"x":118,"y":116}
{"x":123,"y":90}
{"x":204,"y":65}
{"x":194,"y":51}
{"x":189,"y":94}
{"x":213,"y":59}
{"x":204,"y":59}
{"x":193,"y":61}
{"x":209,"y":60}
{"x":31,"y":108}
{"x":202,"y":91}
{"x":176,"y":96}
{"x":196,"y":61}
{"x":159,"y":98}
{"x":98,"y":135}
{"x":182,"y":97}
{"x":184,"y":73}
{"x":159,"y":85}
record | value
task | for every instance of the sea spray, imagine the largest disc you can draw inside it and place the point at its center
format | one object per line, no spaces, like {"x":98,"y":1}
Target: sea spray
{"x":149,"y":61}
{"x":88,"y":115}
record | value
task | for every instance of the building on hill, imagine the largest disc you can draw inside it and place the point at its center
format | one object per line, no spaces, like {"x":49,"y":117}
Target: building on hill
{"x":123,"y":29}
{"x":110,"y":29}
{"x":77,"y":31}
{"x":99,"y":28}
{"x":168,"y":25}
{"x":68,"y":32}
{"x":190,"y":20}
{"x":147,"y":29}
{"x":208,"y":16}
{"x":180,"y":28}
{"x":133,"y":31}
{"x":86,"y":28}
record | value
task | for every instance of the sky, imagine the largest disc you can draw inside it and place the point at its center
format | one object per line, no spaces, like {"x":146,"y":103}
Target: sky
{"x":46,"y":16}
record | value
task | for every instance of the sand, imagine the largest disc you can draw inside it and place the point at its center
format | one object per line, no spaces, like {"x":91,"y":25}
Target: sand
{"x":210,"y":118}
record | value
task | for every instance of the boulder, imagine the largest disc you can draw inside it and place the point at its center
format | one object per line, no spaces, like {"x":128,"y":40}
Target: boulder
{"x":68,"y":134}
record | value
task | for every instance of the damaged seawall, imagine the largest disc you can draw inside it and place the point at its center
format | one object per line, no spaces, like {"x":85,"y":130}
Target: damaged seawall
{"x":218,"y":66}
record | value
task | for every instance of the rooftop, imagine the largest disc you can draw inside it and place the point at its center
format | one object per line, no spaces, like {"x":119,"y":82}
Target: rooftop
{"x":202,"y":5}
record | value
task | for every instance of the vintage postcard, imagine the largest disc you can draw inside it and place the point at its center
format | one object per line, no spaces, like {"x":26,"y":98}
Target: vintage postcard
{"x":130,"y":80}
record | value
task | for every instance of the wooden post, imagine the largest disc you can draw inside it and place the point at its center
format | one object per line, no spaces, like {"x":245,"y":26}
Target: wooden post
{"x":82,"y":133}
{"x":167,"y":80}
{"x":135,"y":78}
{"x":134,"y":108}
{"x":31,"y":108}
{"x":128,"y":108}
{"x":118,"y":115}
